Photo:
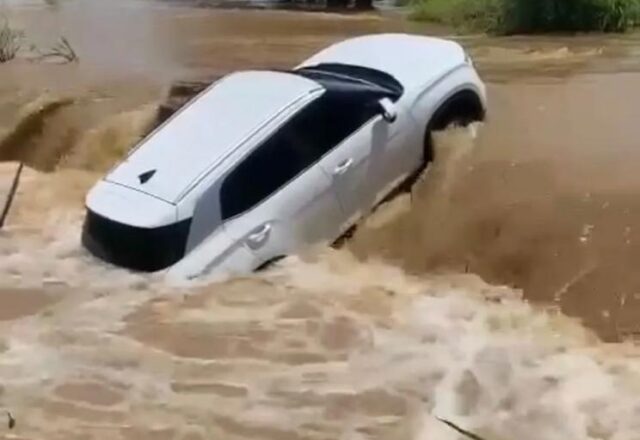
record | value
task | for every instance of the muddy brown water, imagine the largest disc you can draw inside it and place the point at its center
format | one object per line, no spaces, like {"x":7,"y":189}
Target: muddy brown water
{"x":502,"y":295}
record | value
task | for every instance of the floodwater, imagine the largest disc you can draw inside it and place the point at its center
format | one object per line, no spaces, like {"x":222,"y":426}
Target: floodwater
{"x":501,"y":295}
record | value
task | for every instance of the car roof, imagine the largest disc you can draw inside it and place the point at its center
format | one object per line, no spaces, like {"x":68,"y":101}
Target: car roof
{"x":203,"y":133}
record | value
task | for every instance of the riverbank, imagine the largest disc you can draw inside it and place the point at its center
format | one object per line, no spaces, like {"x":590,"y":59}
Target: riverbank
{"x":507,"y":17}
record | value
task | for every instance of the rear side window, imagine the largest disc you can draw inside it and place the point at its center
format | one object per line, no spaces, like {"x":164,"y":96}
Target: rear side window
{"x":301,"y":142}
{"x":259,"y":175}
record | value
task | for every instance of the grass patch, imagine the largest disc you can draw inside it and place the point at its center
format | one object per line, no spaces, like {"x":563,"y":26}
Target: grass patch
{"x":12,"y":40}
{"x":531,"y":16}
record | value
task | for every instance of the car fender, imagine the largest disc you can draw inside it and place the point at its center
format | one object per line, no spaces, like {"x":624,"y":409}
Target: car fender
{"x":427,"y":101}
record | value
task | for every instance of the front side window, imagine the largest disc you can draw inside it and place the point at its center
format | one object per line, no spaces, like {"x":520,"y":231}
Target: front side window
{"x":332,"y":119}
{"x":300,"y":143}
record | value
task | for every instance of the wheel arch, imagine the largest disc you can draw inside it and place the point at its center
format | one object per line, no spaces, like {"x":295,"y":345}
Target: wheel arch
{"x":463,"y":106}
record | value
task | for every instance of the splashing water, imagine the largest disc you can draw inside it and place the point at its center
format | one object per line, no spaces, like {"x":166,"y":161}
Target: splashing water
{"x":324,"y":346}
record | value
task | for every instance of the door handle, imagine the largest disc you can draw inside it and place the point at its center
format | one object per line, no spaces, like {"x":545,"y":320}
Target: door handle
{"x":260,"y":235}
{"x":343,"y":167}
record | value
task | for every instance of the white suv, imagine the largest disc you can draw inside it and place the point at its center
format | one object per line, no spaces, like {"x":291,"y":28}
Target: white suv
{"x":265,"y":162}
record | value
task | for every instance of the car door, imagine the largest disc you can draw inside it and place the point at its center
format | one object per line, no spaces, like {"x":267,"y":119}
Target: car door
{"x":353,"y":135}
{"x":396,"y":150}
{"x":369,"y":158}
{"x":277,"y":200}
{"x":355,"y":177}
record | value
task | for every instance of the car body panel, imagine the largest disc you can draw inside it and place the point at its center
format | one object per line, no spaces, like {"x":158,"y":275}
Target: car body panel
{"x":348,"y":168}
{"x":382,"y":154}
{"x":217,"y":255}
{"x":424,"y":104}
{"x":208,"y":129}
{"x":302,"y":212}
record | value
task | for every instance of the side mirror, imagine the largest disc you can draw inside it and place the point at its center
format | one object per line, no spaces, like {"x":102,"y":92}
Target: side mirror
{"x":388,"y":110}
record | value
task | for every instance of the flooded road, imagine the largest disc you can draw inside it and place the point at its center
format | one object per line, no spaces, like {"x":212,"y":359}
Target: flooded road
{"x":443,"y":305}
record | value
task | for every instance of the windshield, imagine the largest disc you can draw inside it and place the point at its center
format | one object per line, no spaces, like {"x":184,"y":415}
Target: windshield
{"x":328,"y":74}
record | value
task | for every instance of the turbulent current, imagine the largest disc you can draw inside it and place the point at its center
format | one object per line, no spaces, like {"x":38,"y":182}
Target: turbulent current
{"x":450,"y":303}
{"x":324,"y":346}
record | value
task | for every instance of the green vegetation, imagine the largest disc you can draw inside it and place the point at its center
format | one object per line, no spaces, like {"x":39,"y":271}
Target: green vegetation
{"x":10,"y":42}
{"x":61,"y":50}
{"x":531,"y":16}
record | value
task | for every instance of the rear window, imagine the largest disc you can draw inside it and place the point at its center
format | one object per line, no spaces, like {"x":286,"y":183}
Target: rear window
{"x":141,"y":249}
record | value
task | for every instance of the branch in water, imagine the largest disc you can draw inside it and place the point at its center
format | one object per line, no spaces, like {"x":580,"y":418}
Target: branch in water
{"x":464,"y":432}
{"x":9,"y":201}
{"x":62,"y":49}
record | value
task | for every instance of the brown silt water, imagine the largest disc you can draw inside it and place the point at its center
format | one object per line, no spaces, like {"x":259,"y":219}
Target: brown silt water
{"x":502,"y":294}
